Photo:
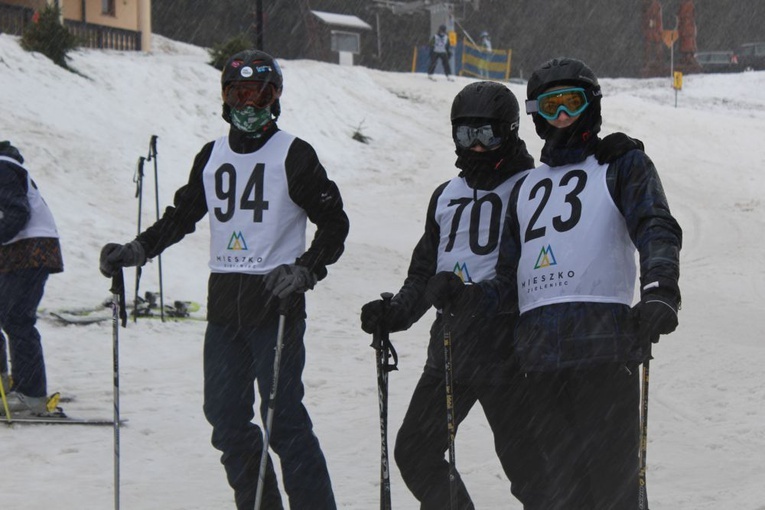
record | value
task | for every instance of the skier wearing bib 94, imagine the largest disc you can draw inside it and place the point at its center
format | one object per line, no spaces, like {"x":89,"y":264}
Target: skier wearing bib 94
{"x":260,"y":185}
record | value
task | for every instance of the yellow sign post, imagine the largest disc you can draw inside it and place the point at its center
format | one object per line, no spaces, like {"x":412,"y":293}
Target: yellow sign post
{"x":677,"y":83}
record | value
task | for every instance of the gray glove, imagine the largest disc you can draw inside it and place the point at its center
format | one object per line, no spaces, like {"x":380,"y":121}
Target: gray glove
{"x":116,"y":256}
{"x":286,"y":279}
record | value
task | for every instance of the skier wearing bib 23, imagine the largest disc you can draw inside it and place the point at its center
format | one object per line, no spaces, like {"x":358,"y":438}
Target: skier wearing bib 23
{"x":260,"y":185}
{"x":567,"y":258}
{"x":464,"y":222}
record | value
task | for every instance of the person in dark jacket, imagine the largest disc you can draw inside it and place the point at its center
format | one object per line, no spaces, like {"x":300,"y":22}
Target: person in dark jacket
{"x":29,"y":252}
{"x":567,"y":262}
{"x":259,"y":185}
{"x":460,"y":244}
{"x":458,"y":249}
{"x":440,"y":50}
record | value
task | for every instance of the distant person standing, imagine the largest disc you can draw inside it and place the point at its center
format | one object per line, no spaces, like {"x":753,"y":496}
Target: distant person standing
{"x":486,"y":46}
{"x":440,"y":49}
{"x":485,"y":40}
{"x":29,"y":252}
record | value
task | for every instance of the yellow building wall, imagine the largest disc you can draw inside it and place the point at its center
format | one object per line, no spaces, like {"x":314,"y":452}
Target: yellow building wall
{"x":133,"y":15}
{"x":126,"y":11}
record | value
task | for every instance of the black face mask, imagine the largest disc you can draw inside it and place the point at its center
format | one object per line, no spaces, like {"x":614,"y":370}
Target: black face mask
{"x":486,"y":170}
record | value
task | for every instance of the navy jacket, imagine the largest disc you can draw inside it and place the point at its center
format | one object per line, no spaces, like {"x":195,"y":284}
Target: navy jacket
{"x":583,"y":334}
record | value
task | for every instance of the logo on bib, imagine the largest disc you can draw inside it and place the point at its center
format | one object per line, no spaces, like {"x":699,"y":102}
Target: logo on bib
{"x":461,"y":270}
{"x":546,"y":258}
{"x":237,"y":242}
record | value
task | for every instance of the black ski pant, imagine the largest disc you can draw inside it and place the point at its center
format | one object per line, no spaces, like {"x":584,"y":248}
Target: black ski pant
{"x":587,"y":424}
{"x":20,"y":294}
{"x":234,"y":359}
{"x":422,"y":441}
{"x":444,"y":58}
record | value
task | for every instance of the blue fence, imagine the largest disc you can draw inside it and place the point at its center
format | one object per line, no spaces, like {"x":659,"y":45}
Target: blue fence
{"x":468,"y":60}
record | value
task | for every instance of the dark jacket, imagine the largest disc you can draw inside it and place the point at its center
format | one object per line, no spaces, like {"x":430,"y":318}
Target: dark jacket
{"x":584,"y":334}
{"x":481,"y":344}
{"x":31,"y":253}
{"x":237,"y":298}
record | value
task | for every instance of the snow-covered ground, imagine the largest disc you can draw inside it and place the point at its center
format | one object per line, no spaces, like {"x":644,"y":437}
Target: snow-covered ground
{"x":82,"y":135}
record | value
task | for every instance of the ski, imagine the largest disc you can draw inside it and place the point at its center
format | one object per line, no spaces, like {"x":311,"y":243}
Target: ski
{"x":54,"y":415}
{"x":59,"y":420}
{"x":148,"y":308}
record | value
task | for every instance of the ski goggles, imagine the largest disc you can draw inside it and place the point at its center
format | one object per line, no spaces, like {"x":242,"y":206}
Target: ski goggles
{"x":467,"y":136}
{"x":259,"y":94}
{"x":549,"y":105}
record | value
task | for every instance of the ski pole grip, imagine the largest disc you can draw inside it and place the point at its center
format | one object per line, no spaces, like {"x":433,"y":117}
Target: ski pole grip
{"x":118,"y":293}
{"x":153,"y":145}
{"x":382,"y":327}
{"x":386,"y":299}
{"x":285,"y":304}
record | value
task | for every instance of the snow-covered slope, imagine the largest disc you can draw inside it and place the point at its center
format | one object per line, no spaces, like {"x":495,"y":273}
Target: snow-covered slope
{"x":82,"y":135}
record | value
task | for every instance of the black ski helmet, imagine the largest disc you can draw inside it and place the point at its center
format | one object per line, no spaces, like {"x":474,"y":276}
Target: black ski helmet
{"x":566,"y":71}
{"x":253,"y":66}
{"x":485,"y":101}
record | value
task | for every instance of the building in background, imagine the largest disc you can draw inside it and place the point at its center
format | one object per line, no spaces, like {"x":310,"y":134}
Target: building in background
{"x":107,"y":24}
{"x":339,"y":38}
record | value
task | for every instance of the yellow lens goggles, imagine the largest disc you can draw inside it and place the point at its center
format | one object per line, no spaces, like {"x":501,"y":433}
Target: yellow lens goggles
{"x":549,"y":105}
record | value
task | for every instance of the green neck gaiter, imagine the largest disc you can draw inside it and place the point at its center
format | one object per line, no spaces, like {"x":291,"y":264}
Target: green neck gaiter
{"x":250,"y":119}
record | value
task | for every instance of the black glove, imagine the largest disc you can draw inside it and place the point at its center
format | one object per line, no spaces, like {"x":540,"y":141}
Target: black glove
{"x":116,"y":256}
{"x":656,"y":315}
{"x":446,"y":289}
{"x":373,"y":316}
{"x":286,"y":280}
{"x":614,"y":146}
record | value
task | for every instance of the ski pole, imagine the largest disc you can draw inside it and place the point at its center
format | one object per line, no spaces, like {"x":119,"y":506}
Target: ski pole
{"x":118,"y":313}
{"x":153,"y":157}
{"x":451,"y":424}
{"x":642,"y":499}
{"x":138,"y":179}
{"x":5,"y":404}
{"x":283,"y":308}
{"x":4,"y":370}
{"x":383,"y":351}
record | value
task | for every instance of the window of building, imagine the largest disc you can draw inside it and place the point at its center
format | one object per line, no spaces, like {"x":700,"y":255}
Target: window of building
{"x":346,"y":41}
{"x":107,"y":7}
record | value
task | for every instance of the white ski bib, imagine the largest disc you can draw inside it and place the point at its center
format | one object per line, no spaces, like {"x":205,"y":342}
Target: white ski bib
{"x":254,"y":224}
{"x":41,"y":223}
{"x":575,"y":244}
{"x":471,"y":223}
{"x":439,"y":43}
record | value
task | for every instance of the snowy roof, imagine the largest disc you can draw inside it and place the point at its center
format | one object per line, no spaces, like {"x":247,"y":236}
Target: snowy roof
{"x":345,"y":20}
